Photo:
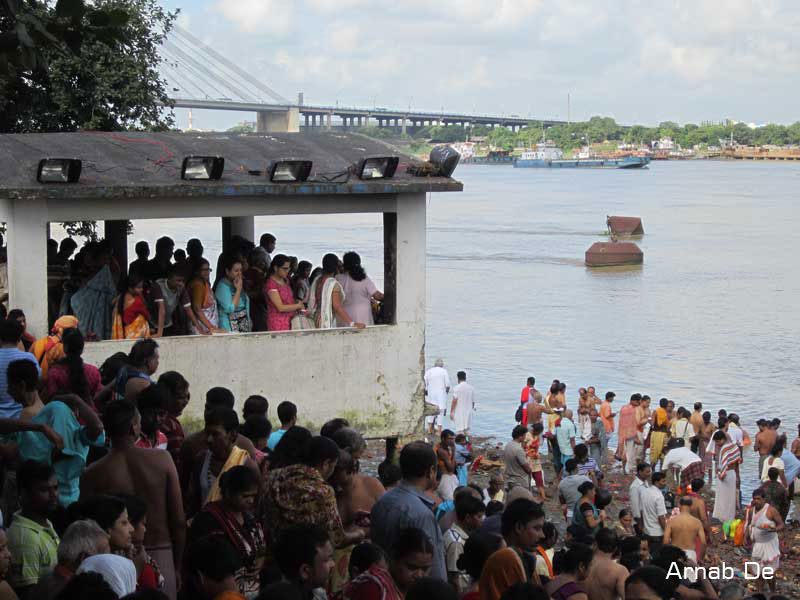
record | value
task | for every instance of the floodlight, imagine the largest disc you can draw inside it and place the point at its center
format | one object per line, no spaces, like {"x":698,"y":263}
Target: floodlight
{"x":445,"y":159}
{"x":202,"y":167}
{"x":381,"y":167}
{"x":59,"y":170}
{"x":289,"y":170}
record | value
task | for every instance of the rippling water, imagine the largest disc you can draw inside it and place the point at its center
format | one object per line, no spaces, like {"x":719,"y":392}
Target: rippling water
{"x":711,"y":316}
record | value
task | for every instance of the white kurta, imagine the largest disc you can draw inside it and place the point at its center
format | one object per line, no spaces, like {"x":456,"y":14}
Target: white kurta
{"x":436,"y":383}
{"x":464,"y":393}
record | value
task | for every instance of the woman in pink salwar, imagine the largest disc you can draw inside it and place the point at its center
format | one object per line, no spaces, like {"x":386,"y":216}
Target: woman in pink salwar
{"x":281,"y":305}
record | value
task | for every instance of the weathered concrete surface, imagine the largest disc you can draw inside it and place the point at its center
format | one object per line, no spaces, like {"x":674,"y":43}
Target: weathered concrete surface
{"x":371,"y":377}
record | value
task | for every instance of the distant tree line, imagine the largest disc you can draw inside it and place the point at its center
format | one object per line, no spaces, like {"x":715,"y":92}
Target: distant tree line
{"x":601,"y":129}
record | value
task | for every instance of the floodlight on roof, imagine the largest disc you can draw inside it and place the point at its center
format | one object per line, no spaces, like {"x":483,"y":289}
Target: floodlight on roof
{"x":379,"y":167}
{"x":289,"y":170}
{"x":445,"y":159}
{"x":202,"y":167}
{"x":59,"y":170}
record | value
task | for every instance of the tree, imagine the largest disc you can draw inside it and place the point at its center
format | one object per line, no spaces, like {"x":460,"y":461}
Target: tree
{"x":76,"y":65}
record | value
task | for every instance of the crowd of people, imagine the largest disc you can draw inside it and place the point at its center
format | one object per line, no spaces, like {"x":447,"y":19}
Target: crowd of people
{"x":174,"y":292}
{"x":670,"y":454}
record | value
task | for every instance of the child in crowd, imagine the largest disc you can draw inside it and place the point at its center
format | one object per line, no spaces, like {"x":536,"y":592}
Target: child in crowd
{"x":532,"y":443}
{"x":597,"y":441}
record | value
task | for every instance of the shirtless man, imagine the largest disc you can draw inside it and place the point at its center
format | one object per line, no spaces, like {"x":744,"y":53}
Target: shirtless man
{"x":195,"y":445}
{"x":606,"y":578}
{"x":687,"y":532}
{"x":764,"y":443}
{"x":585,"y":404}
{"x":148,"y":474}
{"x":642,"y":419}
{"x":536,"y":409}
{"x":699,"y":508}
{"x":591,"y":392}
{"x":356,"y":493}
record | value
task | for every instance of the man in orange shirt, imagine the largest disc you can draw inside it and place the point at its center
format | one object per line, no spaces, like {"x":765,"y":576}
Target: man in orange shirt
{"x":627,"y":439}
{"x":605,"y":412}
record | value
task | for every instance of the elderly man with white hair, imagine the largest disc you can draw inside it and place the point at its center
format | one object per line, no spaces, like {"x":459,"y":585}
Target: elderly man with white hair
{"x":437,"y":386}
{"x":81,"y":540}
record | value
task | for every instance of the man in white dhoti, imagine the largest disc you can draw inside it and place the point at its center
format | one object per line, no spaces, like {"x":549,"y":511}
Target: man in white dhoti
{"x":463,"y":404}
{"x":437,"y":386}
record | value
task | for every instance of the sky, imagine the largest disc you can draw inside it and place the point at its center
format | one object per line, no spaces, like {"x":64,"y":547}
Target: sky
{"x":638,"y":61}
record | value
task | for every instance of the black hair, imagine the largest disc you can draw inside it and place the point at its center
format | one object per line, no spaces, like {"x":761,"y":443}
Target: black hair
{"x":142,"y":351}
{"x":656,"y":579}
{"x":719,"y":435}
{"x":255,"y":405}
{"x":214,"y":557}
{"x":773,"y":474}
{"x":467,"y":504}
{"x":137,"y":508}
{"x":151,"y":398}
{"x":641,"y":467}
{"x":531,"y":380}
{"x":220,"y":397}
{"x":11,"y":331}
{"x":330,"y":264}
{"x":477,"y":550}
{"x":226,"y":417}
{"x":570,"y":465}
{"x":518,"y":431}
{"x":142,"y":249}
{"x":585,"y":487}
{"x":256,"y":428}
{"x":118,"y":417}
{"x":287,"y":411}
{"x":777,"y":448}
{"x":698,"y":406}
{"x":579,"y":534}
{"x":549,"y":530}
{"x":520,"y":512}
{"x":581,"y":450}
{"x":629,"y":544}
{"x":446,"y":433}
{"x":570,"y":559}
{"x":389,"y":474}
{"x":87,"y":585}
{"x":426,"y":588}
{"x":685,"y":501}
{"x":494,"y":507}
{"x":658,"y":476}
{"x":667,"y":556}
{"x":697,"y":484}
{"x":111,"y":367}
{"x":31,"y":472}
{"x":525,"y":590}
{"x":278,"y":261}
{"x":146,"y":594}
{"x":610,"y":395}
{"x":607,"y":540}
{"x":319,"y":450}
{"x":349,"y":439}
{"x":164,"y":243}
{"x":171,"y":383}
{"x":332,"y":426}
{"x":290,"y":450}
{"x":23,"y":371}
{"x":416,"y":460}
{"x":363,"y":556}
{"x":410,"y":540}
{"x":351,"y":262}
{"x":237,"y":480}
{"x":103,"y":510}
{"x":631,"y":561}
{"x":266,"y":238}
{"x":298,"y":545}
{"x":15,"y":314}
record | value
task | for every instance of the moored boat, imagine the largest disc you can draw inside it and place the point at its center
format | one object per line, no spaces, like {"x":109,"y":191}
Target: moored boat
{"x":548,"y":156}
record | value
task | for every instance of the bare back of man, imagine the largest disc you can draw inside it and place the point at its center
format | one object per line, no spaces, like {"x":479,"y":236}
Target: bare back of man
{"x":359,"y":498}
{"x":606,"y":578}
{"x":700,"y":512}
{"x":687,"y":533}
{"x":765,"y":441}
{"x":535,"y":412}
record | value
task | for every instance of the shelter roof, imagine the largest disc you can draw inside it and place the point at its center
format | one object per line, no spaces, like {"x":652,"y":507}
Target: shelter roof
{"x":147,"y":165}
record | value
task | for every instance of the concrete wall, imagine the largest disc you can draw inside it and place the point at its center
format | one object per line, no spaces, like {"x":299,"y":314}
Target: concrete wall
{"x":371,"y":377}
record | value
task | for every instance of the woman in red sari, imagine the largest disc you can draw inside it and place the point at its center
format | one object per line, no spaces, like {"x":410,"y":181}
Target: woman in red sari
{"x":131,"y":317}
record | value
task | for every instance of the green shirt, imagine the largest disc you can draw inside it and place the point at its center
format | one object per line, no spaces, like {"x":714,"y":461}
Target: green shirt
{"x":33,"y":551}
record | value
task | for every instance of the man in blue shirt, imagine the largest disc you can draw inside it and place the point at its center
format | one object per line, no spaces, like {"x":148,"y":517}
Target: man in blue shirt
{"x":287,"y":414}
{"x":565,"y":434}
{"x":408,"y":505}
{"x":10,"y":343}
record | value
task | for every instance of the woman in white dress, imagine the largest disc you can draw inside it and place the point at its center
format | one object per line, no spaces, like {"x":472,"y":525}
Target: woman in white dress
{"x":728,"y":459}
{"x":326,"y":302}
{"x":763,"y":525}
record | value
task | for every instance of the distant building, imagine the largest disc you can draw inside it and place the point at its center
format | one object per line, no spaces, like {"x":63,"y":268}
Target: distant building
{"x":665,"y":143}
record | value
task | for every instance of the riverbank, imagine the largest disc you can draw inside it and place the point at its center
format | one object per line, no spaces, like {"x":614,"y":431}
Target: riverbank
{"x":719,"y":551}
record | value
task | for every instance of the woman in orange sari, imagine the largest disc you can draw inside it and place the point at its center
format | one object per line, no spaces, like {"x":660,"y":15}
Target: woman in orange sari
{"x":204,"y":304}
{"x":131,"y":317}
{"x":49,"y":350}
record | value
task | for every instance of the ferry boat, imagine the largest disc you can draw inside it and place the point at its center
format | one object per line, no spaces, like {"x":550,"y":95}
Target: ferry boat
{"x":548,"y":156}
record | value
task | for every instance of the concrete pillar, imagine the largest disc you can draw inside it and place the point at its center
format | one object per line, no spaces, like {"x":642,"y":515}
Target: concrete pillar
{"x":243,"y":226}
{"x":278,"y":121}
{"x":328,"y":119}
{"x":411,"y":240}
{"x":305,"y":117}
{"x":27,"y":262}
{"x":116,"y":232}
{"x":403,"y":130}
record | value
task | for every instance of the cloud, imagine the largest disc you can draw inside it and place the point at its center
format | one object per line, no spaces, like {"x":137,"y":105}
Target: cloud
{"x":679,"y":59}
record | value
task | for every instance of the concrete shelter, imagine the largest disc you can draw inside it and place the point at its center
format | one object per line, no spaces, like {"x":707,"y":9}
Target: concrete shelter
{"x":372,"y":377}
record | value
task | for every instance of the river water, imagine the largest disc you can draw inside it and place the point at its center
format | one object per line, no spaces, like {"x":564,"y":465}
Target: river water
{"x":711,"y":316}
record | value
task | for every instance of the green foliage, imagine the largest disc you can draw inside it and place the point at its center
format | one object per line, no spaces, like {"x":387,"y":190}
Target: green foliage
{"x":74,"y":65}
{"x":377,"y":132}
{"x":244,"y":128}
